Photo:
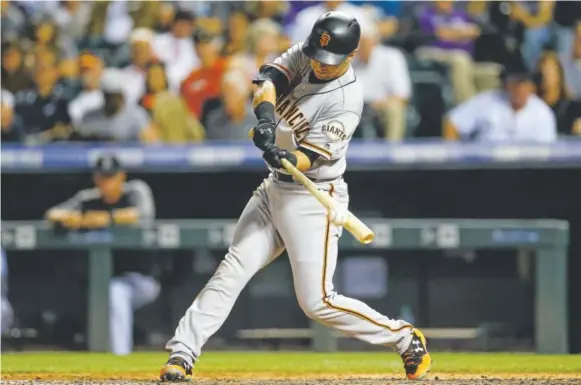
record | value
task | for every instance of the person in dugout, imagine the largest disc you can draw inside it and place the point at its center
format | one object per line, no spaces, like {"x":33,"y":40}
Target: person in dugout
{"x":116,"y":201}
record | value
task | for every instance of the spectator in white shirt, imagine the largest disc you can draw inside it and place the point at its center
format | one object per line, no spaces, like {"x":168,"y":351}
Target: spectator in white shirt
{"x":514,"y":114}
{"x":176,"y":49}
{"x":385,"y":78}
{"x":91,"y":97}
{"x":305,"y":19}
{"x":141,"y":41}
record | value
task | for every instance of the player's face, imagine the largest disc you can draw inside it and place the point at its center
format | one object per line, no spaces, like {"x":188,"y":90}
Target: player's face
{"x":328,"y":72}
{"x":109,"y":184}
{"x":519,"y":92}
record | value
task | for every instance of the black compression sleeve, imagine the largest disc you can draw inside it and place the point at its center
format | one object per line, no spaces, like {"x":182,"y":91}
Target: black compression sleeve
{"x":264,"y":112}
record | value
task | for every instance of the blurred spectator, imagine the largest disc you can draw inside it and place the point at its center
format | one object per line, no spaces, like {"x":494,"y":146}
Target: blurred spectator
{"x":553,"y":90}
{"x":141,"y":41}
{"x":237,"y":34}
{"x":521,"y":28}
{"x":385,"y":13}
{"x":14,"y":76}
{"x":268,"y":9}
{"x":176,"y":49}
{"x":261,"y":45}
{"x":172,"y":119}
{"x":305,"y":19}
{"x":12,"y":129}
{"x":35,"y":8}
{"x":114,"y":200}
{"x":385,"y":79}
{"x":7,"y":312}
{"x":47,"y":37}
{"x":165,"y":16}
{"x":512,"y":114}
{"x":234,"y":118}
{"x":110,"y":22}
{"x":210,"y":11}
{"x":72,"y":17}
{"x":203,"y":82}
{"x":91,"y":97}
{"x":454,"y":34}
{"x":144,"y":13}
{"x":44,"y":110}
{"x":535,"y":16}
{"x":566,"y":17}
{"x":571,"y":63}
{"x":116,"y":120}
{"x":13,"y":22}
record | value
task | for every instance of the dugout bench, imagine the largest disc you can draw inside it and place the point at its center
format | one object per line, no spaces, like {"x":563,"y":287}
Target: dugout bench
{"x":546,"y":239}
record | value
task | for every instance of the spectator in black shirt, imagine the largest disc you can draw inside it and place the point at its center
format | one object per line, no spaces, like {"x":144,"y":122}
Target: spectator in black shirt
{"x":44,"y":110}
{"x":553,"y":90}
{"x":12,"y":130}
{"x":116,"y":201}
{"x":14,"y":76}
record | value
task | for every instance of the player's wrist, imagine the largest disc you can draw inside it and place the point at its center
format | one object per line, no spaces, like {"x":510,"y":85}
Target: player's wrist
{"x":292,"y":158}
{"x":264,"y":111}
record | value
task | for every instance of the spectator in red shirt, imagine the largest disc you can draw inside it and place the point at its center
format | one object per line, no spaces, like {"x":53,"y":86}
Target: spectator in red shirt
{"x":204,"y":82}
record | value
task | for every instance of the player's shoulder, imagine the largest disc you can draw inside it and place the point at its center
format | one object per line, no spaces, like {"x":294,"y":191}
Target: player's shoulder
{"x":489,"y":98}
{"x":88,"y":194}
{"x":137,"y":185}
{"x":349,"y":96}
{"x":540,"y":107}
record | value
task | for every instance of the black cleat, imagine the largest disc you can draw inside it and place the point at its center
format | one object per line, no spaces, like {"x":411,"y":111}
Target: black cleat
{"x":175,"y":369}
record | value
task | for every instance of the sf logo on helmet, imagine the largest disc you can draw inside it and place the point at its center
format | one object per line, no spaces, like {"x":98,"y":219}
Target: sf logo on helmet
{"x":325,"y":39}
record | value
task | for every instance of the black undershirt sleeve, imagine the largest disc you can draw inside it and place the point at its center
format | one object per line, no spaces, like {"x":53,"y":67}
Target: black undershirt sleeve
{"x":276,"y":76}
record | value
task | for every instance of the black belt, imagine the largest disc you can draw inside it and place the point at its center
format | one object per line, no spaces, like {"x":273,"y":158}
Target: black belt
{"x":287,"y":178}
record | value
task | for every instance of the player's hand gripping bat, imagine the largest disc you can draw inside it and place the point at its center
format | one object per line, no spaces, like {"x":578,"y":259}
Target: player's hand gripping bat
{"x":351,"y":222}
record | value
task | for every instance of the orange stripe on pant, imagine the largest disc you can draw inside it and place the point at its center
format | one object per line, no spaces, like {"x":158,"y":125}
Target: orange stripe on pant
{"x":327,"y":301}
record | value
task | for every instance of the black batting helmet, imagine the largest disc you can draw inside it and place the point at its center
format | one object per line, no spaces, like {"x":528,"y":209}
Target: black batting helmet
{"x":333,"y":37}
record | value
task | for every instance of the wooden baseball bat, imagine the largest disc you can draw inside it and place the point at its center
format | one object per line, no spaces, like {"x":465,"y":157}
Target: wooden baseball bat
{"x":359,"y":230}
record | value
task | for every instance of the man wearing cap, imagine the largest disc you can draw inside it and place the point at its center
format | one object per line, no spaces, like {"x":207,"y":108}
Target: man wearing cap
{"x":513,"y":113}
{"x":176,"y":49}
{"x":203,"y":82}
{"x":115,"y":201}
{"x":91,"y":97}
{"x":141,"y":46}
{"x":116,"y":120}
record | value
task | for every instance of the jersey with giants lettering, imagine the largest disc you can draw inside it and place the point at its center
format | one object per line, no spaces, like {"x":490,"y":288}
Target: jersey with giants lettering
{"x":318,"y":116}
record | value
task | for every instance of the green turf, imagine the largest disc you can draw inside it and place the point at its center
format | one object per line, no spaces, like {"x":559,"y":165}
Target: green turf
{"x":288,"y":363}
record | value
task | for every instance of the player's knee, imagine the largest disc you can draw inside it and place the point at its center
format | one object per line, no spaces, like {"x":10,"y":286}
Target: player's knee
{"x":314,"y":308}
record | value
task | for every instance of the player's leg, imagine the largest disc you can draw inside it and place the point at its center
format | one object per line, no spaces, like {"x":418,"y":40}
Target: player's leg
{"x":127,"y":293}
{"x":255,"y":244}
{"x":120,"y":317}
{"x":311,"y":242}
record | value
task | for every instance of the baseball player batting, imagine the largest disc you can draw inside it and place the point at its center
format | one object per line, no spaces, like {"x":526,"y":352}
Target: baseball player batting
{"x":308,"y":103}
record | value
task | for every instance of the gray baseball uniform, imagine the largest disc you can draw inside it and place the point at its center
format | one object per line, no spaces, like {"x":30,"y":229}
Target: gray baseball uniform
{"x":321,"y":117}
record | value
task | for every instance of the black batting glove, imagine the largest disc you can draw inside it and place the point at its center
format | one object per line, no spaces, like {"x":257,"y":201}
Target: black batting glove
{"x":264,"y":135}
{"x":274,"y":156}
